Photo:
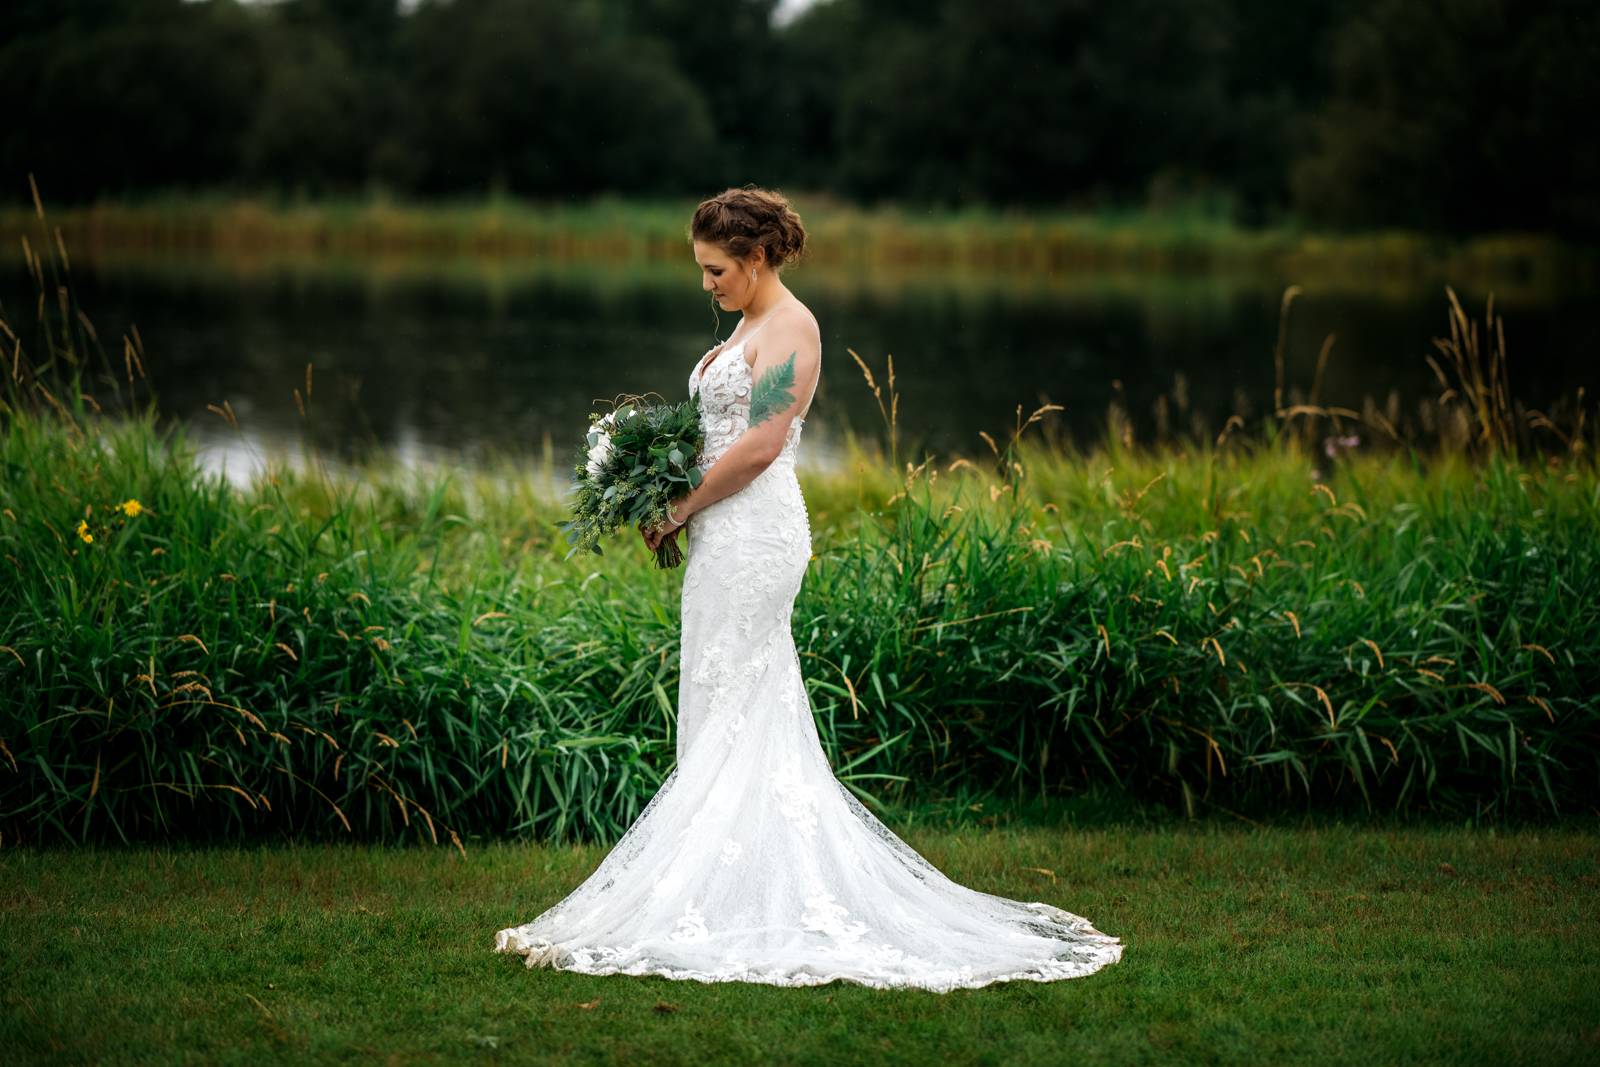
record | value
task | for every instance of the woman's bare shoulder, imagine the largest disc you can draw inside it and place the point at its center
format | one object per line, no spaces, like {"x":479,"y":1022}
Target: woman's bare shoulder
{"x":791,"y":326}
{"x":798,"y":319}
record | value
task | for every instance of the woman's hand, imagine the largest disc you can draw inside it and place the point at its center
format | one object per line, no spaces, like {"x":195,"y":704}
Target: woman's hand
{"x":654,"y":535}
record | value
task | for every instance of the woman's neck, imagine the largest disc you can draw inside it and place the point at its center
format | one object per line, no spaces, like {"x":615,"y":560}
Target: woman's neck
{"x":765,"y":301}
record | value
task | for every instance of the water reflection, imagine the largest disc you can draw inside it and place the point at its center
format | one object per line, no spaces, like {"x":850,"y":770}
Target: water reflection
{"x":439,"y":362}
{"x":241,"y":456}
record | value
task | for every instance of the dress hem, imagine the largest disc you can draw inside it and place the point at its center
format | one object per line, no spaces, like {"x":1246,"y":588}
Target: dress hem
{"x":551,"y":956}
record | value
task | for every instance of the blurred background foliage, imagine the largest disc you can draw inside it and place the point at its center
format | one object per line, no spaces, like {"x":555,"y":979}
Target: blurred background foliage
{"x":1447,"y":116}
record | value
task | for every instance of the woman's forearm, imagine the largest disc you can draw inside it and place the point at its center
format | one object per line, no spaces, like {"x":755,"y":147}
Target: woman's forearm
{"x":733,"y":470}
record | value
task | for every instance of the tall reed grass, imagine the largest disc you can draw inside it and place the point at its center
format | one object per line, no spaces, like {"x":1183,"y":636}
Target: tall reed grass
{"x":395,"y":656}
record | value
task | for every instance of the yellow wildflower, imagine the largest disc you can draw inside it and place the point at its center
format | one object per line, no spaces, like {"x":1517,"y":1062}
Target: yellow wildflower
{"x":83,"y":531}
{"x":131,"y":506}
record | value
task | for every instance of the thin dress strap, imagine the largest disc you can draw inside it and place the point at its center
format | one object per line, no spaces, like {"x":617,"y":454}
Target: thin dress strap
{"x":746,"y":338}
{"x":703,"y":366}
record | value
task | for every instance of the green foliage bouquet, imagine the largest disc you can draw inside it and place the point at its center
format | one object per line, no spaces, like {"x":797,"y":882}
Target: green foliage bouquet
{"x":635,"y":461}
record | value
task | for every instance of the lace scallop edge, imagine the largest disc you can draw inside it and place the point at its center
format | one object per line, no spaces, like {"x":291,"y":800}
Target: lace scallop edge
{"x":551,"y":956}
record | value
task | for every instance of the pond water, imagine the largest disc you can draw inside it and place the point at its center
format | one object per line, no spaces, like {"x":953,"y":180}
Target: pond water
{"x":439,"y":361}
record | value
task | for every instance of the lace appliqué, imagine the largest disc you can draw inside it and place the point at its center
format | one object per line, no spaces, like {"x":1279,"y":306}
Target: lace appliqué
{"x":691,"y":925}
{"x":825,"y":915}
{"x":796,"y":798}
{"x":724,"y":391}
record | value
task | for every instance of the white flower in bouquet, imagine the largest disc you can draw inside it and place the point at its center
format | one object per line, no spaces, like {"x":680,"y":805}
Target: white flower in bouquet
{"x":599,"y":452}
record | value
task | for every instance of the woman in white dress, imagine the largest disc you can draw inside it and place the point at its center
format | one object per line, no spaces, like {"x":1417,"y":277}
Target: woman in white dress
{"x":752,"y":862}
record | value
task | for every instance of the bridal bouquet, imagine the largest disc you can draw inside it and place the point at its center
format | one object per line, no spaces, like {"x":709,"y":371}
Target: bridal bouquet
{"x":636,"y":460}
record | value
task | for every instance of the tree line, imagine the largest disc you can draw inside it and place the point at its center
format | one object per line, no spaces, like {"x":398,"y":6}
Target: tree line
{"x":1440,"y":115}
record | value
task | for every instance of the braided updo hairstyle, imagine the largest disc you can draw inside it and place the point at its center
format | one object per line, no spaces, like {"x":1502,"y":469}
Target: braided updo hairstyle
{"x":742,"y":220}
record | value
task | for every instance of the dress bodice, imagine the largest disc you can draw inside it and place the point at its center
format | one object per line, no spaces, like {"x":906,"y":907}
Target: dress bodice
{"x":757,"y":538}
{"x":724,"y":390}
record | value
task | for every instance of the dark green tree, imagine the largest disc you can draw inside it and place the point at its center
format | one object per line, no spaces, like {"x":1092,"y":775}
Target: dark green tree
{"x":1460,"y":115}
{"x":128,"y":96}
{"x":1032,"y":101}
{"x":542,"y":98}
{"x":727,"y":50}
{"x":1277,"y":75}
{"x":313,"y":126}
{"x":818,"y":53}
{"x":365,"y":29}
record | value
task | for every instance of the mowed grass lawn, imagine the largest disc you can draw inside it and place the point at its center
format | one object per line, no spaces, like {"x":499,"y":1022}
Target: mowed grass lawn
{"x":1333,"y":944}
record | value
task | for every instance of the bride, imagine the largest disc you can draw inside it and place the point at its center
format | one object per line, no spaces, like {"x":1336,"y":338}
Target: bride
{"x":752,"y":862}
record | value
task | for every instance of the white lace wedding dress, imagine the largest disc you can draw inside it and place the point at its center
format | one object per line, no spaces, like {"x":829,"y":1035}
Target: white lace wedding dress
{"x":753,"y":863}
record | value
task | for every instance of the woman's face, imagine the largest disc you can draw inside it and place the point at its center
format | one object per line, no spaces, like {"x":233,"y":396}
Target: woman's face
{"x":724,"y":277}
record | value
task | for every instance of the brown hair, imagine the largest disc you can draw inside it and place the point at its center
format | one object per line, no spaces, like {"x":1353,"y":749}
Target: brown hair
{"x":742,"y":220}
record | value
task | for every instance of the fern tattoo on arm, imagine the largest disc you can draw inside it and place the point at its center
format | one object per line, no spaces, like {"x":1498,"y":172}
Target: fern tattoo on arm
{"x":771,"y":394}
